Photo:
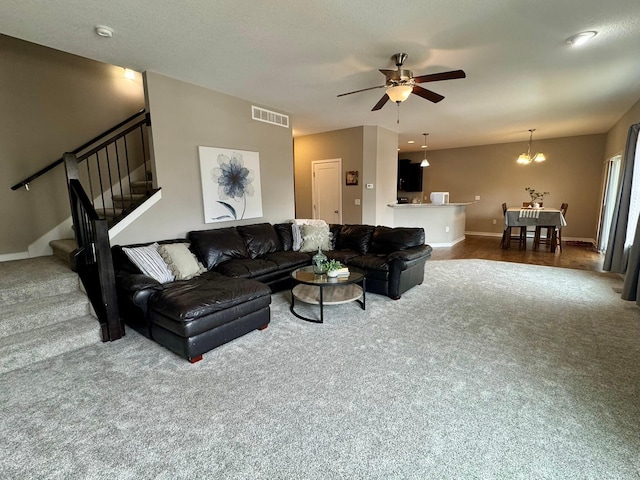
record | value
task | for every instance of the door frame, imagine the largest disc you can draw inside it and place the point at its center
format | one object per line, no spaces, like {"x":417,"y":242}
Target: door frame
{"x":607,"y":194}
{"x":313,"y":185}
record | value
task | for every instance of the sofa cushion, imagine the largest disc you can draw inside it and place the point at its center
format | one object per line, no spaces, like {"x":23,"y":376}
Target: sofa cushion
{"x":286,"y":235}
{"x":184,"y":301}
{"x":246,"y":267}
{"x":355,"y":237}
{"x":314,"y":237}
{"x":218,"y":245}
{"x":260,"y":239}
{"x":289,"y":259}
{"x":334,"y":229}
{"x":387,"y":240}
{"x":343,"y":256}
{"x":370,"y":262}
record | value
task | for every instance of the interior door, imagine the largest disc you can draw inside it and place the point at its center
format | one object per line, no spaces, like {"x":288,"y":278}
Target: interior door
{"x":326,"y":189}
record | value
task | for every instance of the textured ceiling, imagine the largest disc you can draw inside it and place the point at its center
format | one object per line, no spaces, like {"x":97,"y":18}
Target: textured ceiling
{"x":296,"y":57}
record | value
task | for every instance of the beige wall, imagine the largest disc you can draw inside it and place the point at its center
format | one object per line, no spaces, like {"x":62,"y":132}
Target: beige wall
{"x":52,"y":102}
{"x":368,"y":149}
{"x":386,"y":176}
{"x":617,"y":136}
{"x":573,"y":173}
{"x":185,"y":116}
{"x":346,"y":144}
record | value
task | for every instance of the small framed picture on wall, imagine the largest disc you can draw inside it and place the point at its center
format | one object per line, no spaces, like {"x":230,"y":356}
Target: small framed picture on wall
{"x":352,"y":177}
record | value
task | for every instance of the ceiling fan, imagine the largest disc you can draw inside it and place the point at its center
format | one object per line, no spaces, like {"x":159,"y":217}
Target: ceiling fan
{"x":401,"y":83}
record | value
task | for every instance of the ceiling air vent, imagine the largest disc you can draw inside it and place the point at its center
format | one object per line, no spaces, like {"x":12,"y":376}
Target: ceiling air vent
{"x":268,"y":116}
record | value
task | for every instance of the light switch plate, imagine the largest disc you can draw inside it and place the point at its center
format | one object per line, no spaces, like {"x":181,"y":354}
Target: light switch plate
{"x":357,"y":201}
{"x":477,"y":197}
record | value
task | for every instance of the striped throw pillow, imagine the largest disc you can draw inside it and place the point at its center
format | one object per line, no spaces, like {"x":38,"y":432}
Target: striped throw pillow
{"x":149,"y":261}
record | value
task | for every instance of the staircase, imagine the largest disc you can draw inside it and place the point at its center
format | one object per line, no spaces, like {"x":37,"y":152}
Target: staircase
{"x":43,"y":312}
{"x":108,"y":178}
{"x":139,"y":191}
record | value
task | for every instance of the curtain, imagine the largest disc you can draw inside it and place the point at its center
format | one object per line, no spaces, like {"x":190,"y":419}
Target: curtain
{"x":621,"y":258}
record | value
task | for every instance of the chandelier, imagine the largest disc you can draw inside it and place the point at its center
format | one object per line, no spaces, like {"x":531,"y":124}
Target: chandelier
{"x":526,"y":158}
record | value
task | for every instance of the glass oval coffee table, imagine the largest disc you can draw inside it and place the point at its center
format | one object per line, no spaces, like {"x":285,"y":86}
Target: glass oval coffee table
{"x":320,"y":289}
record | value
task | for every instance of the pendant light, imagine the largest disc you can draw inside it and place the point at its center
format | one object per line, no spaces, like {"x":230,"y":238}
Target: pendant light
{"x":425,"y":162}
{"x":527,"y":158}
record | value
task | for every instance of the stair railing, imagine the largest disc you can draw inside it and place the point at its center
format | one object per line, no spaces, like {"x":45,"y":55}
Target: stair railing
{"x":93,"y":260}
{"x":143,"y":118}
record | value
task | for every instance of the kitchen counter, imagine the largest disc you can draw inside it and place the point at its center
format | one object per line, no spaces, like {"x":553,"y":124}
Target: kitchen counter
{"x":443,"y":224}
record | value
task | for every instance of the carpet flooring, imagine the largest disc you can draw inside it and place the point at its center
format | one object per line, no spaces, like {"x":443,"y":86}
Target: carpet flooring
{"x":488,"y":370}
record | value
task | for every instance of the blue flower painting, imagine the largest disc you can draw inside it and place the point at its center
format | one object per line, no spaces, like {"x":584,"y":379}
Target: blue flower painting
{"x":230,"y":184}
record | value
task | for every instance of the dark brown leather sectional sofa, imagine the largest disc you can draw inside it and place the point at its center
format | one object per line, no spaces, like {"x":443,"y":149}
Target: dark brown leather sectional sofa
{"x":245,"y":264}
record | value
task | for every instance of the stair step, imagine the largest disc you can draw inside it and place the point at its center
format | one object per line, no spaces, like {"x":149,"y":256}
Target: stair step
{"x":21,"y":317}
{"x":22,"y":349}
{"x":64,"y":249}
{"x":142,"y":186}
{"x":24,"y":280}
{"x":109,"y":213}
{"x":127,"y":200}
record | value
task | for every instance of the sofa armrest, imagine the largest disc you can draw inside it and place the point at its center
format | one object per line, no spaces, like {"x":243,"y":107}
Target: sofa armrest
{"x":411,"y":253}
{"x":137,"y":287}
{"x":132,"y":282}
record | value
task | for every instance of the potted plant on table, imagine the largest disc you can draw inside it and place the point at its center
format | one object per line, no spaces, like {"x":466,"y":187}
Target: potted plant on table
{"x":332,"y":267}
{"x":536,"y":197}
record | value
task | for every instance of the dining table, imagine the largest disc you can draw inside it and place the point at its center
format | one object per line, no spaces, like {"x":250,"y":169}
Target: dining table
{"x":516,"y":217}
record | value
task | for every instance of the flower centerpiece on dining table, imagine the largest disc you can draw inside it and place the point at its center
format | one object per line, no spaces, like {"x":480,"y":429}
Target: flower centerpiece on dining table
{"x":536,"y":197}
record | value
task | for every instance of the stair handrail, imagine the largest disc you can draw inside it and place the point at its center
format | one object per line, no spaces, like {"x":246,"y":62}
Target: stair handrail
{"x":25,"y":183}
{"x":93,"y":260}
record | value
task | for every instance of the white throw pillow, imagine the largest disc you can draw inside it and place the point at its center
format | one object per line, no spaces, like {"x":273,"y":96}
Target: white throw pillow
{"x":295,"y":230}
{"x":314,"y":237}
{"x":149,"y":261}
{"x":182,"y":263}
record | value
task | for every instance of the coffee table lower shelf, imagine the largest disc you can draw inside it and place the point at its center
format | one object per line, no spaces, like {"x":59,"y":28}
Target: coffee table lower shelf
{"x":328,"y":294}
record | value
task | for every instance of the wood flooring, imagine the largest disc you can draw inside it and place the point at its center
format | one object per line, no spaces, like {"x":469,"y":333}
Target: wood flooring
{"x":573,"y":255}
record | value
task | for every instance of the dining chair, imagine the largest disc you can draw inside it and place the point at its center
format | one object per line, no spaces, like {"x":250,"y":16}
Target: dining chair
{"x":521,"y":237}
{"x":538,"y":239}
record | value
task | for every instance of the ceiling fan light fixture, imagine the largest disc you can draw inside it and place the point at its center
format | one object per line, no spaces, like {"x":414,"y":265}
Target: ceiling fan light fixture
{"x":399,"y":93}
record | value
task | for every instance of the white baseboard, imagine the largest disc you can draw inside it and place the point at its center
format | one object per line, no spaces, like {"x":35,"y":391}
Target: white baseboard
{"x":446,"y":244}
{"x":7,"y":257}
{"x":41,"y":247}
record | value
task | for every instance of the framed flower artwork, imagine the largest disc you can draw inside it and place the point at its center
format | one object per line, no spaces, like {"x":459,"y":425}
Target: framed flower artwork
{"x":230,"y":184}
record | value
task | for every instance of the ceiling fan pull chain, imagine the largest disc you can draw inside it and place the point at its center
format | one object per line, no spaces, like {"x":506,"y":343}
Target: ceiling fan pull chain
{"x":398,"y":119}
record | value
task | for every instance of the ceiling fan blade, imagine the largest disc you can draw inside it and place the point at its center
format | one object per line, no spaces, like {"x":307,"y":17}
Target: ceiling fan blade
{"x":428,"y":94}
{"x":434,"y":77}
{"x":362,"y":90}
{"x":381,"y":103}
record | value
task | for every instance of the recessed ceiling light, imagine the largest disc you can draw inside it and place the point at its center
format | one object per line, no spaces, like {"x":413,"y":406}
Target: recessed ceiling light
{"x":411,"y":141}
{"x":581,"y":38}
{"x":423,"y":146}
{"x":103,"y":31}
{"x":129,"y":74}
